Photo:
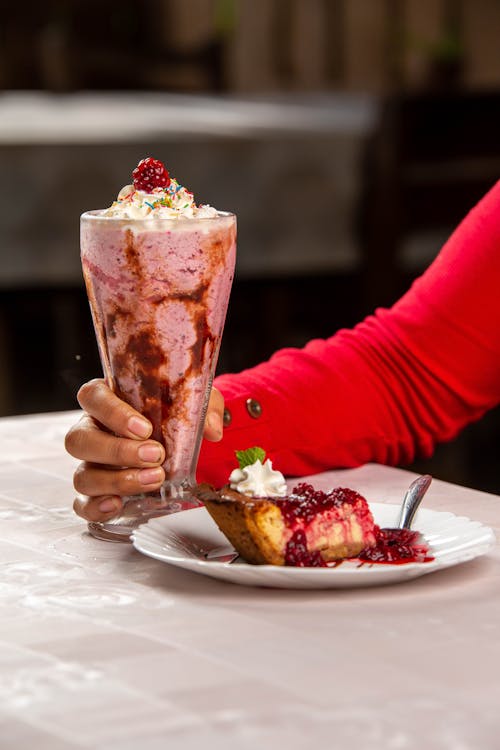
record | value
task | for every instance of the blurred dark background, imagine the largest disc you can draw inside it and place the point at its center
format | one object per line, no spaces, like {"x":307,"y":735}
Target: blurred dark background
{"x":379,"y":119}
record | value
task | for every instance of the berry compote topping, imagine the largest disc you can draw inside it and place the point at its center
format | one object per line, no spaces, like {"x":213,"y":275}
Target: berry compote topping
{"x":305,"y":502}
{"x":396,"y":546}
{"x":297,"y":554}
{"x":149,"y":174}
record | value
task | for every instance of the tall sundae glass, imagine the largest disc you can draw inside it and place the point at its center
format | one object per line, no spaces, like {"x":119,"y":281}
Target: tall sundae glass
{"x":158,"y":271}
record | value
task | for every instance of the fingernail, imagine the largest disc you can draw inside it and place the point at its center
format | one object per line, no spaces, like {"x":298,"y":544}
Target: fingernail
{"x":139,"y":427}
{"x":215,"y":422}
{"x":109,"y":505}
{"x":150,"y":453}
{"x":150,"y":476}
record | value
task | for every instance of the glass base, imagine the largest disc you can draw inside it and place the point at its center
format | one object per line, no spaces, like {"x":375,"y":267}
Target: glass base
{"x":139,"y":509}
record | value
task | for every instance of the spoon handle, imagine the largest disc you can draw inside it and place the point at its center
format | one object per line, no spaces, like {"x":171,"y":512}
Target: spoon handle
{"x":411,"y":501}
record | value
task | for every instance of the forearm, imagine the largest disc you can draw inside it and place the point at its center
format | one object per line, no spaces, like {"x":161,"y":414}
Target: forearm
{"x":391,"y":388}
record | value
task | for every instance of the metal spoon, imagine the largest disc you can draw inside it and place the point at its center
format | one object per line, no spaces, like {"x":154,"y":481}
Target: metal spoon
{"x":412,"y":500}
{"x":224,"y":554}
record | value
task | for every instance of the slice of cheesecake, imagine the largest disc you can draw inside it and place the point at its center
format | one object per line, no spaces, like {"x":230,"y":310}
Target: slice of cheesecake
{"x":305,"y":528}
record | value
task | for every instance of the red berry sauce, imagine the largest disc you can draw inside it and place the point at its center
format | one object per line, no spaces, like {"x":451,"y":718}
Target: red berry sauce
{"x":297,"y":554}
{"x":305,"y":502}
{"x":391,"y":547}
{"x":149,"y":174}
{"x":301,"y":508}
{"x":395,"y":547}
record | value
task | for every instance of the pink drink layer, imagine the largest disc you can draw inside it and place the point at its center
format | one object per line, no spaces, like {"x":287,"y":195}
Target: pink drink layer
{"x":158,"y":291}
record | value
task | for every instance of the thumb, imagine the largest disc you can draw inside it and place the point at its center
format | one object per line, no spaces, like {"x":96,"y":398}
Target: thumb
{"x":213,"y":420}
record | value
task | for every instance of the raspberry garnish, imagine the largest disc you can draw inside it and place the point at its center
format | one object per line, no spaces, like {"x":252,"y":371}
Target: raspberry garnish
{"x":149,"y":174}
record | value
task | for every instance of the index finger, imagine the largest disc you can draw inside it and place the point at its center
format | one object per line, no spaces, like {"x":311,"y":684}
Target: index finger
{"x":98,"y":400}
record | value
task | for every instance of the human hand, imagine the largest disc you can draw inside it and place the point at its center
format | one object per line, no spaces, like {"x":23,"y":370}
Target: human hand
{"x":118,"y":457}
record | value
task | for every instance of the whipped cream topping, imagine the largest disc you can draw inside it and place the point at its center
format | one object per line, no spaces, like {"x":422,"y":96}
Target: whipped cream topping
{"x":258,"y":480}
{"x":172,"y":202}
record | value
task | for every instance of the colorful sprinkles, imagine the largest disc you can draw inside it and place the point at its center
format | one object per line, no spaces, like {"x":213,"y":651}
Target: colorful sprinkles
{"x":174,"y":197}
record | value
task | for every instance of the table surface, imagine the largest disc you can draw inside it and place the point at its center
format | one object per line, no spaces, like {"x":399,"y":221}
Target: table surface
{"x":104,"y":648}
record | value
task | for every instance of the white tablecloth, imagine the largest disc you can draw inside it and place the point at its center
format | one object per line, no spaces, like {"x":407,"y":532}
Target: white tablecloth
{"x":103,"y":648}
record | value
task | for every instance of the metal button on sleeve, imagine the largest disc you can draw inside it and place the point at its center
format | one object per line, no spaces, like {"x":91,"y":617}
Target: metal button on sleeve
{"x":227,"y":418}
{"x":253,"y":408}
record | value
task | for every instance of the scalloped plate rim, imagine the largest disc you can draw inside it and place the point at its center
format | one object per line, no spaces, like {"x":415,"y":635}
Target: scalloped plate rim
{"x":158,"y":539}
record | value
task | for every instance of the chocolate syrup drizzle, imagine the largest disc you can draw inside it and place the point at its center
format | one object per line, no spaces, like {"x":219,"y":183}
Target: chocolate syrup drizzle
{"x":143,"y":358}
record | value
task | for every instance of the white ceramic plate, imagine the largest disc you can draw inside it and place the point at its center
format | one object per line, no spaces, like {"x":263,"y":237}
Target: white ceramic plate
{"x":183,"y":539}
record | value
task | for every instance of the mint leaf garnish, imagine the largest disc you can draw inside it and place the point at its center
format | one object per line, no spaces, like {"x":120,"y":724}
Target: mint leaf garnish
{"x":250,"y":456}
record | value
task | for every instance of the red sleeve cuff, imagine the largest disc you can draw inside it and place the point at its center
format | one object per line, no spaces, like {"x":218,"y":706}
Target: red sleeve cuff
{"x":248,"y":417}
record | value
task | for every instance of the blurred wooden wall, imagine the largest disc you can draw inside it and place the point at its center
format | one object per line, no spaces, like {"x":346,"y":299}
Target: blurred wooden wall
{"x":368,"y":45}
{"x":247,"y":46}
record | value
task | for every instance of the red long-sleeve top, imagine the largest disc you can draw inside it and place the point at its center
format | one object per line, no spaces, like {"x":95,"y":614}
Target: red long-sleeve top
{"x":391,"y":388}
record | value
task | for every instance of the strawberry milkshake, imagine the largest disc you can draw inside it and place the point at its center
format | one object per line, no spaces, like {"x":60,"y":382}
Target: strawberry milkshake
{"x":158,"y":271}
